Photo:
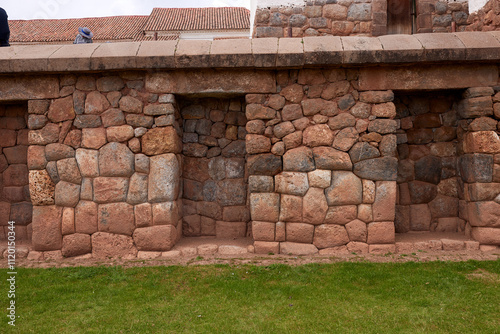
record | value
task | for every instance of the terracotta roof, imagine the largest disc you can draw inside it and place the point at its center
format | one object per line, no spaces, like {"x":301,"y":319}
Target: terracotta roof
{"x":143,"y":37}
{"x":104,"y":28}
{"x":211,"y":18}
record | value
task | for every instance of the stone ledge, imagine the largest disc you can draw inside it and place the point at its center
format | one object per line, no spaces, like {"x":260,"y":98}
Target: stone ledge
{"x":253,"y":53}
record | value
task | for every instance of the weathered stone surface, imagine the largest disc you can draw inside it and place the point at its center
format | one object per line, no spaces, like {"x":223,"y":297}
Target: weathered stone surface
{"x":484,"y":214}
{"x":116,"y":159}
{"x":422,"y":192}
{"x":166,"y":213}
{"x":341,"y":121}
{"x":263,"y":231}
{"x":383,"y":126}
{"x":291,"y":112}
{"x":266,"y":247}
{"x":41,"y":187}
{"x":292,"y":183}
{"x":314,"y":206}
{"x":264,"y":164}
{"x":119,"y":133}
{"x":385,"y":201}
{"x":331,"y":159}
{"x":87,"y":162}
{"x":57,"y":151}
{"x":68,"y":221}
{"x":96,"y":103}
{"x":362,"y":151}
{"x":36,"y":122}
{"x":476,"y":167}
{"x":318,"y":135}
{"x":110,"y":189}
{"x":420,"y":217}
{"x":86,"y":217}
{"x":68,"y":170}
{"x":257,"y":144}
{"x":138,"y":189}
{"x":345,"y":139}
{"x":67,"y":194}
{"x":264,"y":206}
{"x":155,"y":238}
{"x":428,"y":169}
{"x":356,"y":230}
{"x":378,"y":169}
{"x":293,"y":248}
{"x":376,"y":96}
{"x":346,"y":189}
{"x":475,"y":107}
{"x":482,"y":191}
{"x":314,"y":106}
{"x":234,"y":149}
{"x":290,"y":208}
{"x":143,"y":215}
{"x":48,"y":134}
{"x":387,"y":110}
{"x":61,"y":110}
{"x":231,"y":192}
{"x":76,"y":244}
{"x":381,"y":233}
{"x":299,"y":160}
{"x":258,"y":111}
{"x":109,"y":245}
{"x":116,"y":218}
{"x":236,"y":213}
{"x":47,"y":228}
{"x":320,"y":178}
{"x":299,"y":232}
{"x":164,"y":178}
{"x":161,"y":140}
{"x":112,"y":117}
{"x":486,"y":235}
{"x":341,"y":215}
{"x":93,"y":138}
{"x":130,"y":104}
{"x":329,"y":235}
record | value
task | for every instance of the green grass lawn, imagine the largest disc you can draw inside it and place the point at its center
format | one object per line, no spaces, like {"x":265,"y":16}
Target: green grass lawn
{"x":435,"y":297}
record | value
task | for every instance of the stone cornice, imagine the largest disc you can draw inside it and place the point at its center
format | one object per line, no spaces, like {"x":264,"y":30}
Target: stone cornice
{"x":263,"y":53}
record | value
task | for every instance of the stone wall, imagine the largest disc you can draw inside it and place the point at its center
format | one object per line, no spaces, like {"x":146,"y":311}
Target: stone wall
{"x":15,"y":204}
{"x":485,"y":19}
{"x":215,"y":185}
{"x":443,"y":15}
{"x":105,"y":168}
{"x":322,"y":165}
{"x":428,"y":180}
{"x":319,"y":18}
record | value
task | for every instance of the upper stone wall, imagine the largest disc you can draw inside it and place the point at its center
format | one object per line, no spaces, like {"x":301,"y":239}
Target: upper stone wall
{"x":262,"y":53}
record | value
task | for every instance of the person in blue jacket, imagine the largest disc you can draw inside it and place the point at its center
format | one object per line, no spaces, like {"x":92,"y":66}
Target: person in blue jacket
{"x":4,"y":28}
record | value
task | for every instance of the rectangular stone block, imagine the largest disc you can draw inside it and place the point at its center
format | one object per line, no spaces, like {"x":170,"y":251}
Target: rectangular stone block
{"x":230,"y":229}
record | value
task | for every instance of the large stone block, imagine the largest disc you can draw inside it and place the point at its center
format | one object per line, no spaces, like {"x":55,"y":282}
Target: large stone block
{"x":257,"y":144}
{"x":356,"y":230}
{"x":68,"y":221}
{"x":294,"y":248}
{"x":264,"y":206}
{"x":67,"y":194}
{"x":482,"y":191}
{"x":238,"y":213}
{"x":86,"y":217}
{"x":292,"y":183}
{"x":332,"y":159}
{"x":475,"y":107}
{"x":61,"y":110}
{"x":422,"y":192}
{"x":116,"y":218}
{"x":230,"y":230}
{"x":299,"y":232}
{"x":266,"y":247}
{"x":341,"y":215}
{"x":381,"y":233}
{"x":476,"y":167}
{"x":298,"y":160}
{"x":346,"y":189}
{"x":481,"y":142}
{"x":143,"y":215}
{"x":48,"y":134}
{"x":47,"y":228}
{"x":96,"y":103}
{"x":420,"y":217}
{"x":314,"y":206}
{"x":318,"y":135}
{"x":155,"y":238}
{"x":166,"y":213}
{"x":161,"y":140}
{"x":109,"y":245}
{"x":110,"y":189}
{"x":263,"y":231}
{"x":484,"y":214}
{"x":21,"y":213}
{"x":68,"y":171}
{"x":231,"y":192}
{"x":486,"y":235}
{"x":41,"y":187}
{"x":329,"y":235}
{"x":164,"y":178}
{"x":17,"y":154}
{"x":378,"y":169}
{"x":363,"y":151}
{"x":35,"y":158}
{"x":93,"y":138}
{"x":385,"y":201}
{"x":88,"y":162}
{"x":76,"y":244}
{"x":444,"y":206}
{"x":116,"y":159}
{"x":16,"y":176}
{"x":290,"y":208}
{"x":138,"y":189}
{"x":428,"y":169}
{"x":264,"y":164}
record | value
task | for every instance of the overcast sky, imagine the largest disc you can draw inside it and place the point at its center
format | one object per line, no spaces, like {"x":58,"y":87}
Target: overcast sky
{"x":65,"y":9}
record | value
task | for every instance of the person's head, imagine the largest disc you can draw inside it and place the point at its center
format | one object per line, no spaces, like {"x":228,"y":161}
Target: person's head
{"x":85,"y":32}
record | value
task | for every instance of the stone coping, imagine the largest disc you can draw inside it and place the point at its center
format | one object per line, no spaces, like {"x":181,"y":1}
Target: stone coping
{"x":265,"y":53}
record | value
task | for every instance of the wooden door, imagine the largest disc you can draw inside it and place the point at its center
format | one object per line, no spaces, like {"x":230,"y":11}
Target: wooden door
{"x":399,"y":19}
